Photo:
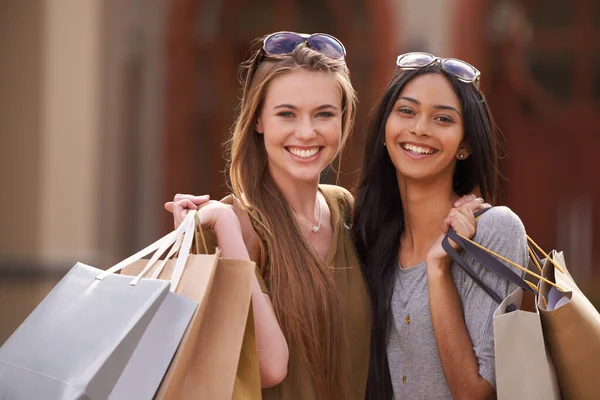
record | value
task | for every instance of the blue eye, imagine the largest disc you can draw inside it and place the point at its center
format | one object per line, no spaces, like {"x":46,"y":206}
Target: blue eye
{"x":325,"y":114}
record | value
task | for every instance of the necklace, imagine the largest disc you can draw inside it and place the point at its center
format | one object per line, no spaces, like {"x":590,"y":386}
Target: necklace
{"x":314,"y":228}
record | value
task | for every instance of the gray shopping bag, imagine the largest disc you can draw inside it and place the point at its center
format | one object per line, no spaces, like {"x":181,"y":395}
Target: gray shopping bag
{"x":77,"y":342}
{"x":98,"y":334}
{"x":145,"y":371}
{"x":151,"y":359}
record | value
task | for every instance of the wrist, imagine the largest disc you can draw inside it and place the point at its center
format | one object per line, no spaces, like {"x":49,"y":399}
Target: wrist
{"x":226,"y":221}
{"x":438,"y":267}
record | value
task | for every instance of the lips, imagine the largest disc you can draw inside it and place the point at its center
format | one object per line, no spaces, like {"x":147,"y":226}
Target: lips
{"x":420,"y":150}
{"x":304,"y":153}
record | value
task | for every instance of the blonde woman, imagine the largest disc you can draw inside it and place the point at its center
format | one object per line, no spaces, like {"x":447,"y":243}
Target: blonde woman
{"x":311,"y":307}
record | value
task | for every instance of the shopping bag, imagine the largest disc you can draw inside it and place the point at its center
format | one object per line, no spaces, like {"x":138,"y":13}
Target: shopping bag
{"x":81,"y":337}
{"x":153,"y":355}
{"x":207,"y":360}
{"x":524,"y":368}
{"x":572,"y":329}
{"x":569,"y":322}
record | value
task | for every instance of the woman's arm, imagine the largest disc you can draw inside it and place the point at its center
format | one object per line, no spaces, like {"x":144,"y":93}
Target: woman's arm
{"x":273,"y":353}
{"x":460,"y":365}
{"x":455,"y":348}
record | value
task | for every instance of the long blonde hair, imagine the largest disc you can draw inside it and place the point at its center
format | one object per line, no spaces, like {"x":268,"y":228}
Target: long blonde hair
{"x":302,"y":290}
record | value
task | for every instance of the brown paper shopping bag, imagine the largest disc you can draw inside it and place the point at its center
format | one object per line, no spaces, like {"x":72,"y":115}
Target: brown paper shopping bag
{"x":207,"y":364}
{"x":572,"y":329}
{"x":221,"y":335}
{"x":195,"y":284}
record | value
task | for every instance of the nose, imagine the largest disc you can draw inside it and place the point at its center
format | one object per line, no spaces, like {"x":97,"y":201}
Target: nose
{"x":306,"y":131}
{"x":420,"y":127}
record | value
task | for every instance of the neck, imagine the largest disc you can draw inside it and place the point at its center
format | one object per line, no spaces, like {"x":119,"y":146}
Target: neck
{"x":301,"y":196}
{"x":425,"y":206}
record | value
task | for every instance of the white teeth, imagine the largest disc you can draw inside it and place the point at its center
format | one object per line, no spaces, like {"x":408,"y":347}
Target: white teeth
{"x":416,"y":149}
{"x":303,"y":153}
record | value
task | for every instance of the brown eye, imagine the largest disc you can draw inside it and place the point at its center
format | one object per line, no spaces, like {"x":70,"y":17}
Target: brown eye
{"x":445,"y":118}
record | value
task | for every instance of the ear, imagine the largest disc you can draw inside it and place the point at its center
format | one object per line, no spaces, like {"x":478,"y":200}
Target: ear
{"x":259,"y":126}
{"x":463,"y":152}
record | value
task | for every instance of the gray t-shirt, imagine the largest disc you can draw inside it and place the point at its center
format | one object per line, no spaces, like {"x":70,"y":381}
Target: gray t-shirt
{"x":415,"y":366}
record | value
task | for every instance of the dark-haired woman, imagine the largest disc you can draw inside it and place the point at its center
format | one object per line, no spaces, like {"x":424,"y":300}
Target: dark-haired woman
{"x":432,"y":140}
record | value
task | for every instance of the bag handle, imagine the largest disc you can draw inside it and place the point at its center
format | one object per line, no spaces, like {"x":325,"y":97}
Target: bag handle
{"x":200,"y":232}
{"x":482,"y":255}
{"x":184,"y":251}
{"x":496,"y":267}
{"x":546,"y":256}
{"x":181,"y":245}
{"x":488,"y":252}
{"x":463,"y":264}
{"x":486,"y":258}
{"x":174,"y":239}
{"x":536,"y":259}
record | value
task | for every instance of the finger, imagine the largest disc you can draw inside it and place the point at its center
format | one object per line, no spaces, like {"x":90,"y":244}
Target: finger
{"x":446,"y":225}
{"x":471,"y":205}
{"x":189,"y":204}
{"x":464,"y":225}
{"x":465,"y":209}
{"x":483,"y":206}
{"x":182,"y":196}
{"x":181,"y":208}
{"x":200,"y":199}
{"x":464,"y":199}
{"x":453,"y":212}
{"x":169,"y":206}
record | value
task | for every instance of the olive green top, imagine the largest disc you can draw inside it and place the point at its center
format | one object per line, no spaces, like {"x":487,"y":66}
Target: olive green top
{"x":344,"y":265}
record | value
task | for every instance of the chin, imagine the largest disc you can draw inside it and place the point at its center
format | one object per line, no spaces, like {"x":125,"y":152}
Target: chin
{"x":305,"y":176}
{"x":415,"y":174}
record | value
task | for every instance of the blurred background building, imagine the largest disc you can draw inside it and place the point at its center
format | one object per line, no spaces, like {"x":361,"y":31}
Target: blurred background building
{"x":110,"y":107}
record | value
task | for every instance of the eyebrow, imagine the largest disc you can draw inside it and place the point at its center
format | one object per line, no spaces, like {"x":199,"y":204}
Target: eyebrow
{"x":437,"y":107}
{"x":449,"y":108}
{"x":293,"y":107}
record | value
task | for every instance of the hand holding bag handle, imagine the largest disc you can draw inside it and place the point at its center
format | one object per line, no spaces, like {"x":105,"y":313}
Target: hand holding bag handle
{"x":483,"y":256}
{"x":180,"y":238}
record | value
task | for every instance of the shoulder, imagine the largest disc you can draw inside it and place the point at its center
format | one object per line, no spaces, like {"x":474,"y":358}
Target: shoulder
{"x":337,"y":193}
{"x":500,"y":221}
{"x":251,"y":235}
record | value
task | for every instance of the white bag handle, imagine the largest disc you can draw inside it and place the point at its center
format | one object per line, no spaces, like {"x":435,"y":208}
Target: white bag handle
{"x":180,"y":231}
{"x":183,"y":245}
{"x":161,"y":244}
{"x":184,"y":252}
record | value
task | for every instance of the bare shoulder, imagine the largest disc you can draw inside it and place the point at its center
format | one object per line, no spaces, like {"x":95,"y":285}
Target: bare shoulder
{"x":249,"y":234}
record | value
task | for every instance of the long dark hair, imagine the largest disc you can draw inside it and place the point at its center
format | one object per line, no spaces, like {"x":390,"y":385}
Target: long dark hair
{"x":378,"y":214}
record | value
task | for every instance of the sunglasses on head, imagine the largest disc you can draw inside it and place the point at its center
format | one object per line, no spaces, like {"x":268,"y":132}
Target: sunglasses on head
{"x":284,"y":43}
{"x":462,"y":70}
